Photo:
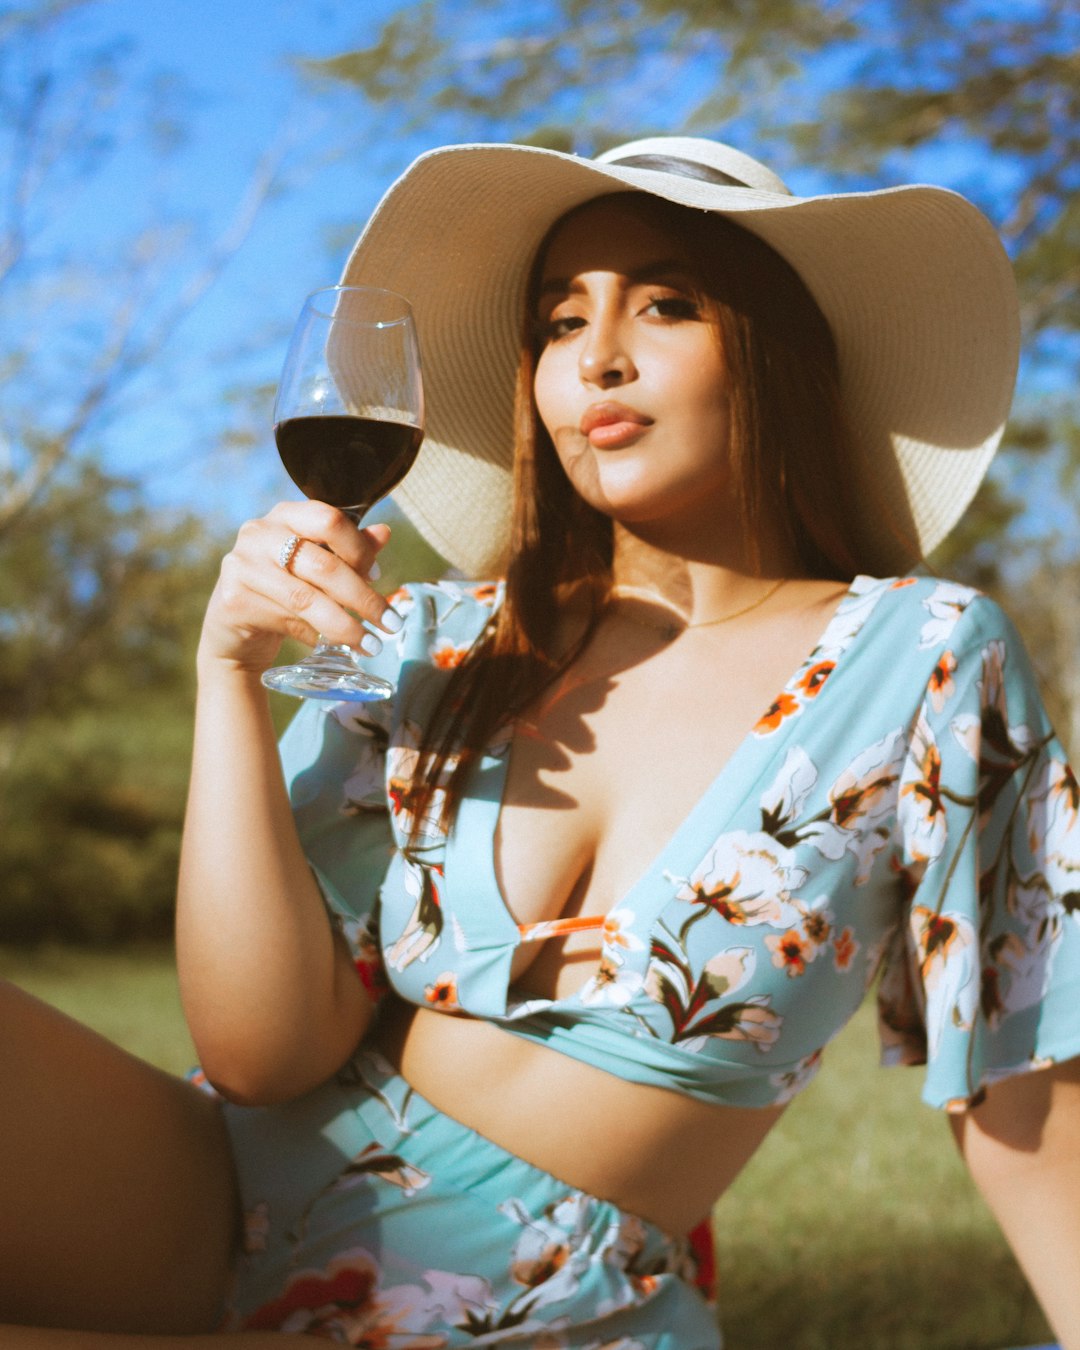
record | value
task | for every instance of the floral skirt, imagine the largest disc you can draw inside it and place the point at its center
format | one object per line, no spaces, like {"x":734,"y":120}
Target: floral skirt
{"x":370,"y":1218}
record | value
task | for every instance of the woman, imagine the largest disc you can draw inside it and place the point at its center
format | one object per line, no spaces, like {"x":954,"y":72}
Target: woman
{"x":658,"y":808}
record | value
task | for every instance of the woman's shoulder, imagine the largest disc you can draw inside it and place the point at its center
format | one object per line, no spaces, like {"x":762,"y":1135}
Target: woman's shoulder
{"x":939,"y":611}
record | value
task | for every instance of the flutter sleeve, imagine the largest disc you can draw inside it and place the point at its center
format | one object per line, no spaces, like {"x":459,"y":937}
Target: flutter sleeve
{"x":981,"y":978}
{"x":333,"y":758}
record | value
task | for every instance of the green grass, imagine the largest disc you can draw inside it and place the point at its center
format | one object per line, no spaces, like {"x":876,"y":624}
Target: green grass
{"x":854,"y":1226}
{"x":130,"y":996}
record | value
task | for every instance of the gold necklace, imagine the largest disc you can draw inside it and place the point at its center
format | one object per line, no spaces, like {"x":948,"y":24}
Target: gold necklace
{"x":670,"y":631}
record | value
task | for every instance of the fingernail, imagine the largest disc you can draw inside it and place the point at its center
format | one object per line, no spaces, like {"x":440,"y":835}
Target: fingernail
{"x":392,"y":621}
{"x":370,"y":644}
{"x":374,"y":571}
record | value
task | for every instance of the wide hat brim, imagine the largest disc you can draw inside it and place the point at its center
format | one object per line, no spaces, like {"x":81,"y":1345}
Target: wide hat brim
{"x":914,"y":282}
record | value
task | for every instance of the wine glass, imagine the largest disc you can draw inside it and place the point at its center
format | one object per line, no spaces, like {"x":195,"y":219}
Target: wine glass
{"x":348,"y":422}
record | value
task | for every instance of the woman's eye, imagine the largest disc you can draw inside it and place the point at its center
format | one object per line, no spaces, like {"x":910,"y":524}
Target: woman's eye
{"x":560,"y":326}
{"x":673,"y":307}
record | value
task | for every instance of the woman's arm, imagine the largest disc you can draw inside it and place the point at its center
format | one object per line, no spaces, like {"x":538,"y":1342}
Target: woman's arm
{"x":1022,"y":1146}
{"x":270,"y":994}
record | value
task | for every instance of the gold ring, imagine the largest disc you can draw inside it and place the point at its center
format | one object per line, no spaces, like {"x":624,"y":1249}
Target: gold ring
{"x":287,"y":551}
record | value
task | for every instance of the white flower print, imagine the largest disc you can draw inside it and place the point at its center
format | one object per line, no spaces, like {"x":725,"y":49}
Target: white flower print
{"x":345,"y":1302}
{"x":747,"y":879}
{"x":727,"y":971}
{"x":945,"y":605}
{"x":1038,"y":908}
{"x":860,"y":801}
{"x":421,"y":934}
{"x":402,"y":758}
{"x":1018,"y":977}
{"x":948,"y":961}
{"x":784,"y":799}
{"x":998,"y":735}
{"x":613,"y":986}
{"x":921,"y":812}
{"x":850,"y":615}
{"x":723,"y":974}
{"x":792,"y":1081}
{"x":551,"y":1255}
{"x":967,"y":732}
{"x":1054,"y":829}
{"x":618,"y":935}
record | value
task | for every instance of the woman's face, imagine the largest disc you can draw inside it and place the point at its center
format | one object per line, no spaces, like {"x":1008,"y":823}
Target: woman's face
{"x":630,"y":378}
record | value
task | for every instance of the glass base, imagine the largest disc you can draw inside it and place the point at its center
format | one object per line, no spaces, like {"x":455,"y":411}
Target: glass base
{"x":330,"y":672}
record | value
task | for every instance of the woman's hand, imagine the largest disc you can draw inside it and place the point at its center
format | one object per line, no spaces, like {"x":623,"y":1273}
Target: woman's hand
{"x":325,"y":589}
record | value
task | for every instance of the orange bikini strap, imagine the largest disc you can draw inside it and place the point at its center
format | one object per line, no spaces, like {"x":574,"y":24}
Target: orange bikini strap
{"x":549,"y":928}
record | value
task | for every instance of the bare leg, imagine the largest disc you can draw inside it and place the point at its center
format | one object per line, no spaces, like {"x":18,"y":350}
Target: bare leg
{"x":117,"y":1198}
{"x":31,"y":1338}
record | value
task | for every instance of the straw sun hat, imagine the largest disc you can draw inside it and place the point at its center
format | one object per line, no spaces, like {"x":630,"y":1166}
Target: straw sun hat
{"x":913,"y":281}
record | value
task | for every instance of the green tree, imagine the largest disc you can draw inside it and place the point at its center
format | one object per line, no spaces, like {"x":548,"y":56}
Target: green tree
{"x":101,"y":600}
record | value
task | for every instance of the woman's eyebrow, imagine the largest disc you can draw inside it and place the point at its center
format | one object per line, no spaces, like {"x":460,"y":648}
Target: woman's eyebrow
{"x":650,"y":271}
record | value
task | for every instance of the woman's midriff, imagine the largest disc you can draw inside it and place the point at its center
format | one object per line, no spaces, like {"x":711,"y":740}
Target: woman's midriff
{"x":655,"y":1153}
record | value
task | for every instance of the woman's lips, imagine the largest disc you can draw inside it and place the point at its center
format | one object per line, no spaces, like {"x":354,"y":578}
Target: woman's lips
{"x":609,"y":426}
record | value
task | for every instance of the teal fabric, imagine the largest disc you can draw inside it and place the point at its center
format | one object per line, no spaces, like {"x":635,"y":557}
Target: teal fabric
{"x":373,"y":1219}
{"x":902,"y":806}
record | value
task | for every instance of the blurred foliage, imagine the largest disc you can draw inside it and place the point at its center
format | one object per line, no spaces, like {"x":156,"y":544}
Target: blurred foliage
{"x":100,"y":600}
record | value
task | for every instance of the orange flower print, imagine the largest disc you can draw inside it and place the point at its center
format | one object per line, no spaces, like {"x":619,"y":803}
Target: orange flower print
{"x":791,"y":952}
{"x":543,"y":1256}
{"x":484,"y":593}
{"x":844,"y":949}
{"x":901,"y":583}
{"x":745,"y":879}
{"x":445,"y":655}
{"x":942,"y":687}
{"x":402,"y":761}
{"x":443,"y":992}
{"x":921,"y":805}
{"x":783,"y":706}
{"x":613,"y":986}
{"x":817,"y":927}
{"x":936,"y":934}
{"x":860,"y":800}
{"x":947,"y":948}
{"x":617,"y":932}
{"x":811,"y":681}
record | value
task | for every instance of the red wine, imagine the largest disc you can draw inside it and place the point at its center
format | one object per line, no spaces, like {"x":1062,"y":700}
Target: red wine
{"x":349,"y":462}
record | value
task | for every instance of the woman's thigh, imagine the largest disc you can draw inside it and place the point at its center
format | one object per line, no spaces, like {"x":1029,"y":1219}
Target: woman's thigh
{"x":117,"y":1195}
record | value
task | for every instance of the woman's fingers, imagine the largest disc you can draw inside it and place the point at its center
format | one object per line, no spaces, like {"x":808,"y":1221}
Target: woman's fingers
{"x":301,"y":571}
{"x":340,"y":564}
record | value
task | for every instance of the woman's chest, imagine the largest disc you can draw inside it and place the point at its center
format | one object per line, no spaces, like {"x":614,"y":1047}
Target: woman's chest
{"x":603,"y":773}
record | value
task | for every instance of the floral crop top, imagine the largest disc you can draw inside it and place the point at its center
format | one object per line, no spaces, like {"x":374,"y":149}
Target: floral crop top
{"x":902,"y":806}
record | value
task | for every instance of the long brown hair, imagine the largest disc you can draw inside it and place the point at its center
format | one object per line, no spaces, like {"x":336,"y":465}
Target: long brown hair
{"x":788,"y":448}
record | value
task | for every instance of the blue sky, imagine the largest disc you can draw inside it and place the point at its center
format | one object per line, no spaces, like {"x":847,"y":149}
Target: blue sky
{"x":239,"y":97}
{"x":239,"y":94}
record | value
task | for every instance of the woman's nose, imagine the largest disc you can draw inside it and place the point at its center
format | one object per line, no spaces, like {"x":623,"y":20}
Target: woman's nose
{"x":605,"y":360}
